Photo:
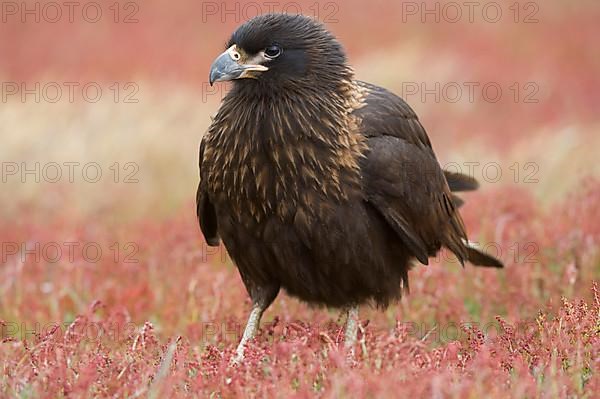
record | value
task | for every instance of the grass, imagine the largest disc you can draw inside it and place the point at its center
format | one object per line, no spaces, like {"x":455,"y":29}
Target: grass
{"x":168,"y":324}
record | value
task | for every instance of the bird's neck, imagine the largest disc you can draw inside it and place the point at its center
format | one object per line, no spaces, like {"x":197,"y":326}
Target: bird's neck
{"x":279,"y":148}
{"x":266,"y":115}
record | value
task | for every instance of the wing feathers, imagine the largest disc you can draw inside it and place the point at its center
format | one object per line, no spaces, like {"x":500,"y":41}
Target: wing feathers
{"x":405,"y":183}
{"x":205,"y":210}
{"x":403,"y":229}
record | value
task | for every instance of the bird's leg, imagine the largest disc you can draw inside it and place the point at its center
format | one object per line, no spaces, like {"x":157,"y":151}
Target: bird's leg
{"x":262,"y":296}
{"x":351,"y":330}
{"x":249,"y":332}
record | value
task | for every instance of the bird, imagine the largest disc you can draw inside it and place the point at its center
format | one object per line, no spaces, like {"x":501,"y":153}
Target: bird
{"x":317,"y":183}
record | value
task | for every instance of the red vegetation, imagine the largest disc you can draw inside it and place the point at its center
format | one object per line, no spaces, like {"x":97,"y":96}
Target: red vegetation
{"x":554,"y":355}
{"x":459,"y":333}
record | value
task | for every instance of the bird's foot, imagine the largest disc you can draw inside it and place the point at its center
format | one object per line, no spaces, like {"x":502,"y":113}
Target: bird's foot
{"x":237,"y":359}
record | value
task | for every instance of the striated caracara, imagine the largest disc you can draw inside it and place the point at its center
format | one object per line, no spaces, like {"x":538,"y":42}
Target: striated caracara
{"x":317,"y":183}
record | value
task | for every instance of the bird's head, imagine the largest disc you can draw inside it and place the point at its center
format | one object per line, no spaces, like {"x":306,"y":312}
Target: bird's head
{"x":280,"y":50}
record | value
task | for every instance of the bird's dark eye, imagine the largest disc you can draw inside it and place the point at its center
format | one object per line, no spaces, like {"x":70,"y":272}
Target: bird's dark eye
{"x":273,"y":51}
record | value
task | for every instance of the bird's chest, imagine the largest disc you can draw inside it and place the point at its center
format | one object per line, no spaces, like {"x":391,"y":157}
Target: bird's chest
{"x":257,"y":180}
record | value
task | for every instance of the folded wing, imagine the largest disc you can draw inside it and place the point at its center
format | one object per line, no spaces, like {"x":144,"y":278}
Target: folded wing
{"x":404,"y":182}
{"x":205,"y":210}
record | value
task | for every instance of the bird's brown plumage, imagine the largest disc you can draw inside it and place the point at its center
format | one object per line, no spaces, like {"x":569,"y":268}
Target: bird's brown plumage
{"x":320,"y":184}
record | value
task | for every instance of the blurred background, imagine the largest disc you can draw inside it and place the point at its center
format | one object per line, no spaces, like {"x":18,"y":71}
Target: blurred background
{"x":508,"y":91}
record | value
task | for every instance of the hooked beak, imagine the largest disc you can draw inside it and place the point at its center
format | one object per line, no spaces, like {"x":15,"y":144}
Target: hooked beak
{"x":230,"y":65}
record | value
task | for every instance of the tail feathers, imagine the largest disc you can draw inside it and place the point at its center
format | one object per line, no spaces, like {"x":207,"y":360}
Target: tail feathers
{"x":480,"y":258}
{"x":460,"y":182}
{"x":457,"y":201}
{"x":466,"y":250}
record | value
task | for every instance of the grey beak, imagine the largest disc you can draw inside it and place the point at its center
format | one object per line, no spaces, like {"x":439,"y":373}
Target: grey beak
{"x":226,"y":68}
